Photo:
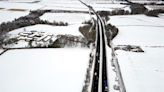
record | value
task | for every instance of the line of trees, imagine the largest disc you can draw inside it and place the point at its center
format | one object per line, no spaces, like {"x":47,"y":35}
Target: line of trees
{"x":31,"y":19}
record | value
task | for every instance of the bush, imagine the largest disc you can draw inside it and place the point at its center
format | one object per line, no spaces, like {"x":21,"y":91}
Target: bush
{"x":152,"y":13}
{"x":9,"y":41}
{"x":31,"y":19}
{"x":137,"y":8}
{"x":85,"y":30}
{"x":120,"y":12}
{"x":113,"y":12}
{"x":104,"y":13}
{"x":113,"y":30}
{"x":87,"y":22}
{"x":69,"y":41}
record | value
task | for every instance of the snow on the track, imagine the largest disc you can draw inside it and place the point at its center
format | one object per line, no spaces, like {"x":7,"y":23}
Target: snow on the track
{"x":142,"y":72}
{"x":6,"y":16}
{"x":71,"y":29}
{"x":138,"y":30}
{"x":70,"y":18}
{"x":43,"y":70}
{"x":111,"y":74}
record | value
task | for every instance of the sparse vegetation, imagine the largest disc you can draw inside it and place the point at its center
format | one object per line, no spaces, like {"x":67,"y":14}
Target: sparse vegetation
{"x":154,"y":13}
{"x":1,"y":41}
{"x":113,"y":12}
{"x":59,"y":41}
{"x":111,"y":32}
{"x":31,"y":19}
{"x":90,"y":35}
{"x":17,"y":9}
{"x":131,"y":48}
{"x":137,"y":8}
{"x":69,"y":41}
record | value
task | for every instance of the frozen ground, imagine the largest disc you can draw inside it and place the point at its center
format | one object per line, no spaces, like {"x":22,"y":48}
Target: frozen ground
{"x":139,"y":30}
{"x":111,"y":74}
{"x":43,"y":70}
{"x":142,"y":72}
{"x":6,"y":16}
{"x":71,"y":29}
{"x":15,"y":5}
{"x":40,"y":35}
{"x":77,"y":6}
{"x":71,"y":18}
{"x":62,"y":70}
{"x":1,"y":50}
{"x":161,"y":16}
{"x":59,"y":5}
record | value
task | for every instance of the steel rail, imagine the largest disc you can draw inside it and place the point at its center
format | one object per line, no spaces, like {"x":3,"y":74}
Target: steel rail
{"x":99,"y":80}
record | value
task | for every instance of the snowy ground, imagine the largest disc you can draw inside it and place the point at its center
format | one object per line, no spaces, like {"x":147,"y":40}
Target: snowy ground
{"x":63,"y":70}
{"x":142,"y":72}
{"x":6,"y":16}
{"x":43,"y":70}
{"x":71,"y":18}
{"x":59,"y":5}
{"x":41,"y":35}
{"x":138,"y":30}
{"x":1,"y":50}
{"x":71,"y":29}
{"x":15,"y":5}
{"x":111,"y":74}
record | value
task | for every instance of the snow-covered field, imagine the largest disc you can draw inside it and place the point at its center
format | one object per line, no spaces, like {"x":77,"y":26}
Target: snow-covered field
{"x":6,"y":16}
{"x":41,"y":35}
{"x":43,"y":70}
{"x":63,"y":70}
{"x":71,"y":29}
{"x":138,"y":30}
{"x":77,"y":6}
{"x":142,"y":72}
{"x":1,"y":50}
{"x":15,"y":5}
{"x":59,"y":5}
{"x":71,"y":18}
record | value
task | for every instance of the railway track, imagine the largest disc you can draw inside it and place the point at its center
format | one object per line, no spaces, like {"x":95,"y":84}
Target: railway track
{"x":99,"y":79}
{"x":99,"y":72}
